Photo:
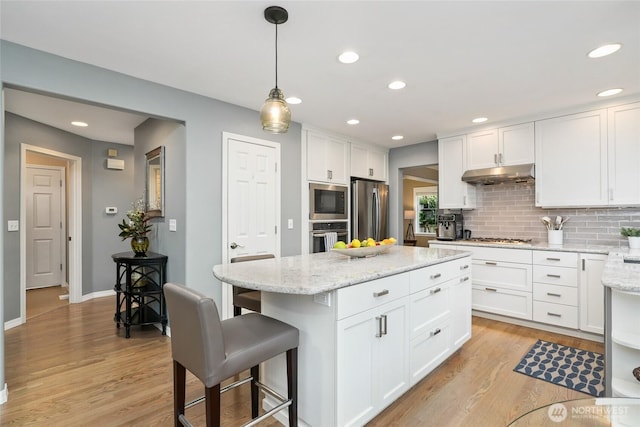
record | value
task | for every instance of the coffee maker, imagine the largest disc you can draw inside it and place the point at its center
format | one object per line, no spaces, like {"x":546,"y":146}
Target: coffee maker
{"x":450,"y":226}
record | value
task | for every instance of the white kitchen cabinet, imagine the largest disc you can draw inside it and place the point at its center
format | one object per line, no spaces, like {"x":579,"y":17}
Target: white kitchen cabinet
{"x":368,"y":163}
{"x":571,"y":160}
{"x":625,"y":343}
{"x":555,"y":288}
{"x":592,"y":292}
{"x":624,"y":155}
{"x":453,"y":193}
{"x":373,"y":361}
{"x":512,"y":145}
{"x":327,"y":158}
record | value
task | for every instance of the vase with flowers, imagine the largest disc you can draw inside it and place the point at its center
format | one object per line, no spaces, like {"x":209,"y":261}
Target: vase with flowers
{"x":136,"y":228}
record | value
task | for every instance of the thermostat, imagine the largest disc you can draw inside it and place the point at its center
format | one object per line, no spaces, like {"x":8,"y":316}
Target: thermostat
{"x":111,"y":210}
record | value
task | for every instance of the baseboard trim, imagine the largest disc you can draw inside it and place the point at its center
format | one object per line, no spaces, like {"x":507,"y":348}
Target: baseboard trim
{"x":12,"y":323}
{"x":541,"y":326}
{"x":4,"y":394}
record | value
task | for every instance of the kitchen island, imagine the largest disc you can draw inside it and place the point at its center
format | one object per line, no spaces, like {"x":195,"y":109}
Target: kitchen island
{"x":370,"y":328}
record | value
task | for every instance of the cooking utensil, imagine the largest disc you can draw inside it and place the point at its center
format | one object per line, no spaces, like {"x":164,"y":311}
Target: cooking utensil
{"x":546,"y":221}
{"x":565,"y":219}
{"x":558,"y":222}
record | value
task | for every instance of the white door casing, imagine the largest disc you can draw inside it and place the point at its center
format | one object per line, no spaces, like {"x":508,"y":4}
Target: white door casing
{"x":74,"y":214}
{"x":44,"y":194}
{"x":250,"y":200}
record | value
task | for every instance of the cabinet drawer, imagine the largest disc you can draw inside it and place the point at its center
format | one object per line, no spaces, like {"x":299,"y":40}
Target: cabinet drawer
{"x":555,"y":275}
{"x":428,"y":307}
{"x":357,"y":298}
{"x":436,"y":274}
{"x":502,"y":275}
{"x":502,"y":301}
{"x":558,"y":259}
{"x":428,"y":350}
{"x":555,"y":314}
{"x":555,"y":294}
{"x":500,"y":254}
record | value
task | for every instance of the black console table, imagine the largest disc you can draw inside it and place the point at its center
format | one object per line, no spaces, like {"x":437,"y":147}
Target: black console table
{"x":139,"y":296}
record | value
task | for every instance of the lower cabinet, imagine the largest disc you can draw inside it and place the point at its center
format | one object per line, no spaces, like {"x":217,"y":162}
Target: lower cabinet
{"x":592,"y":293}
{"x":373,"y":363}
{"x":555,"y":288}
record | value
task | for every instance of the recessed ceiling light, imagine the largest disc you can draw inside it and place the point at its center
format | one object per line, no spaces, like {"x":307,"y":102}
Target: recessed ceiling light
{"x":610,"y":92}
{"x":397,"y":137}
{"x":479,"y":120}
{"x":348,"y":57}
{"x":605,"y":50}
{"x":80,"y":124}
{"x":353,"y":121}
{"x":397,"y":85}
{"x":293,"y":100}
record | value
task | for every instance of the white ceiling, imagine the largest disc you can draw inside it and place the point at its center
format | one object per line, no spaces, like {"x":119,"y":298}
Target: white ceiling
{"x":460,"y":60}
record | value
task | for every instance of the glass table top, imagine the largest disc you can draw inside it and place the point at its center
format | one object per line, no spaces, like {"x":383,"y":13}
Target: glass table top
{"x":615,"y":412}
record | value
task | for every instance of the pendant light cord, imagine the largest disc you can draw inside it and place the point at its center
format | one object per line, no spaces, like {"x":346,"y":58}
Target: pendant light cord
{"x":276,"y":56}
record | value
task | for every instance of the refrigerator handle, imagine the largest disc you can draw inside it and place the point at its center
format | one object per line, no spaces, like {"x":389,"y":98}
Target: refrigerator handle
{"x":376,"y":214}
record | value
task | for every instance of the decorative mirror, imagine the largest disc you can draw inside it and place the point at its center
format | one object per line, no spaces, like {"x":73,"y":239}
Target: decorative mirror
{"x":154,"y":191}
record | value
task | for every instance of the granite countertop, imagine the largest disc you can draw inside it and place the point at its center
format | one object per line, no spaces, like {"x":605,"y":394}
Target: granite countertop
{"x":310,"y":274}
{"x":543,"y":246}
{"x":622,"y":275}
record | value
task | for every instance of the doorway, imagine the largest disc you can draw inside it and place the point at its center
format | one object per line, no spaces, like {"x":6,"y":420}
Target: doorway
{"x":69,"y":246}
{"x":419,"y":190}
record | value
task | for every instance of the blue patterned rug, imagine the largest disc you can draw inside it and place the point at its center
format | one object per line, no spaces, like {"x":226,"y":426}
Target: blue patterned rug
{"x":569,"y":367}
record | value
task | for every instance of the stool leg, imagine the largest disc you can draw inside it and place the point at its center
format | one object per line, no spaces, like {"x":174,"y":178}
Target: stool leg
{"x":255,"y":374}
{"x":179,"y":386}
{"x":237,"y":311}
{"x":212,"y":400}
{"x":292,"y":385}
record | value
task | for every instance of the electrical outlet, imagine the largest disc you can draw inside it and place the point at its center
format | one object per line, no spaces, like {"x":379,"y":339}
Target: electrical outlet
{"x":173,"y":226}
{"x":290,"y":224}
{"x":13,"y":225}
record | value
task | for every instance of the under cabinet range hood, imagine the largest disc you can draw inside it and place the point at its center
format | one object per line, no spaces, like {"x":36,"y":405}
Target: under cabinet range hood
{"x":488,"y":176}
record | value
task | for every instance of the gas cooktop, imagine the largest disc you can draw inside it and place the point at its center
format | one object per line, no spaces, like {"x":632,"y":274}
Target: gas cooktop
{"x":500,"y":240}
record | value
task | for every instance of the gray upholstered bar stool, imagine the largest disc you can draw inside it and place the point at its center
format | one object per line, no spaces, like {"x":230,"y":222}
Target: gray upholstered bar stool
{"x":247,"y":298}
{"x":214,"y":350}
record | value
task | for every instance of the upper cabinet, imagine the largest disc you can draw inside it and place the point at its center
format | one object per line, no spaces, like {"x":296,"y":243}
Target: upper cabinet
{"x":327,"y":158}
{"x":453,"y":193}
{"x":512,"y":145}
{"x":368,"y":163}
{"x":589,"y":159}
{"x":624,"y":155}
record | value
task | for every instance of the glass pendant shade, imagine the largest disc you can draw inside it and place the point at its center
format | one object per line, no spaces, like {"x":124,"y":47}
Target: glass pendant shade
{"x":275,"y":114}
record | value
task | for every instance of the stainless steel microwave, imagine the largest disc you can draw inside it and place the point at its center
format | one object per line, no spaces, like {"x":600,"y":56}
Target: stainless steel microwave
{"x":328,"y":201}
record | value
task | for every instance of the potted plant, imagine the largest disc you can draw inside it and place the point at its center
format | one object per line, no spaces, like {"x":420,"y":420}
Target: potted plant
{"x":137,"y":228}
{"x":633,"y":234}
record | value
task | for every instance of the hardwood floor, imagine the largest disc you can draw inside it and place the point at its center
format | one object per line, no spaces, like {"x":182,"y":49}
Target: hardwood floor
{"x":72,"y":366}
{"x":43,"y":300}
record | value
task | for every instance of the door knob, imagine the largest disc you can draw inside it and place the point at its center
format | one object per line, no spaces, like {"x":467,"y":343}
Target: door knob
{"x":234,"y":245}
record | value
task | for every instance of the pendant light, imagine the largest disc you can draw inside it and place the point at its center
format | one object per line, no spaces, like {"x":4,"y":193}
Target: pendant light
{"x":275,"y":115}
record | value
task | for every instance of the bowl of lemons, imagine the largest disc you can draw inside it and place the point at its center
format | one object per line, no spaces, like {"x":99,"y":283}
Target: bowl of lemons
{"x":363,"y":248}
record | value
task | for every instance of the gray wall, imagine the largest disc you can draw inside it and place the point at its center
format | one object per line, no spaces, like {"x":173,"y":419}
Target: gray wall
{"x":205,"y":120}
{"x":422,"y":154}
{"x":148,"y":136}
{"x":100,"y":188}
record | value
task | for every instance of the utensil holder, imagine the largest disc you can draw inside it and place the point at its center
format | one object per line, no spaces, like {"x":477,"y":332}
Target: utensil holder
{"x":554,"y":237}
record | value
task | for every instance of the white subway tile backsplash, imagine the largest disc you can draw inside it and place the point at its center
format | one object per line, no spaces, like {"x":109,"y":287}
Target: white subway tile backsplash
{"x":508,"y":210}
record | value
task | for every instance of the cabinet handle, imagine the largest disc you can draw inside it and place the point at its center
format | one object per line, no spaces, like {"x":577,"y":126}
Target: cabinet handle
{"x":464,"y":279}
{"x":381,"y":293}
{"x":464,"y":267}
{"x":495,"y":158}
{"x":610,"y":194}
{"x":384,"y":324}
{"x":500,"y":158}
{"x":436,"y":332}
{"x":553,"y":259}
{"x":329,"y":174}
{"x":555,"y":276}
{"x":491,"y":263}
{"x":553,"y":314}
{"x":464,"y":200}
{"x":491,"y":289}
{"x":435,"y":291}
{"x":583,"y":265}
{"x":435,"y":276}
{"x":379,"y":332}
{"x":370,"y":171}
{"x":553,"y":295}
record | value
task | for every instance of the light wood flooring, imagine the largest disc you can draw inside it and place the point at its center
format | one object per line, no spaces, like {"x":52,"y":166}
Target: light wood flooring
{"x":72,"y":367}
{"x":43,"y":300}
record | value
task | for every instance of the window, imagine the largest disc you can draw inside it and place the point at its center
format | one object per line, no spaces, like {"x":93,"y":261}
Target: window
{"x":425,"y":204}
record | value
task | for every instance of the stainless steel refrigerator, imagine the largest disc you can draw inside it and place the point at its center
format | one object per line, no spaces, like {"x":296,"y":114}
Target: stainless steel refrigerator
{"x":369,"y":209}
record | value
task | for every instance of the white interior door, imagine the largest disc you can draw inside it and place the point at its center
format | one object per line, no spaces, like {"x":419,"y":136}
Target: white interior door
{"x":44,"y":209}
{"x":252,"y":200}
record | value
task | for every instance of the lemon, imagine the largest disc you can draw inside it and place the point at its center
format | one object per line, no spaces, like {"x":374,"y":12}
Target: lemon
{"x":340,"y":245}
{"x":355,"y":243}
{"x":392,"y":240}
{"x":371,"y":242}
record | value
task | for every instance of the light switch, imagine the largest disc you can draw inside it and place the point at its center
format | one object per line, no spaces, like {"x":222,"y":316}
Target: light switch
{"x":290,"y":224}
{"x":173,"y":225}
{"x":13,"y":225}
{"x":111,"y":210}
